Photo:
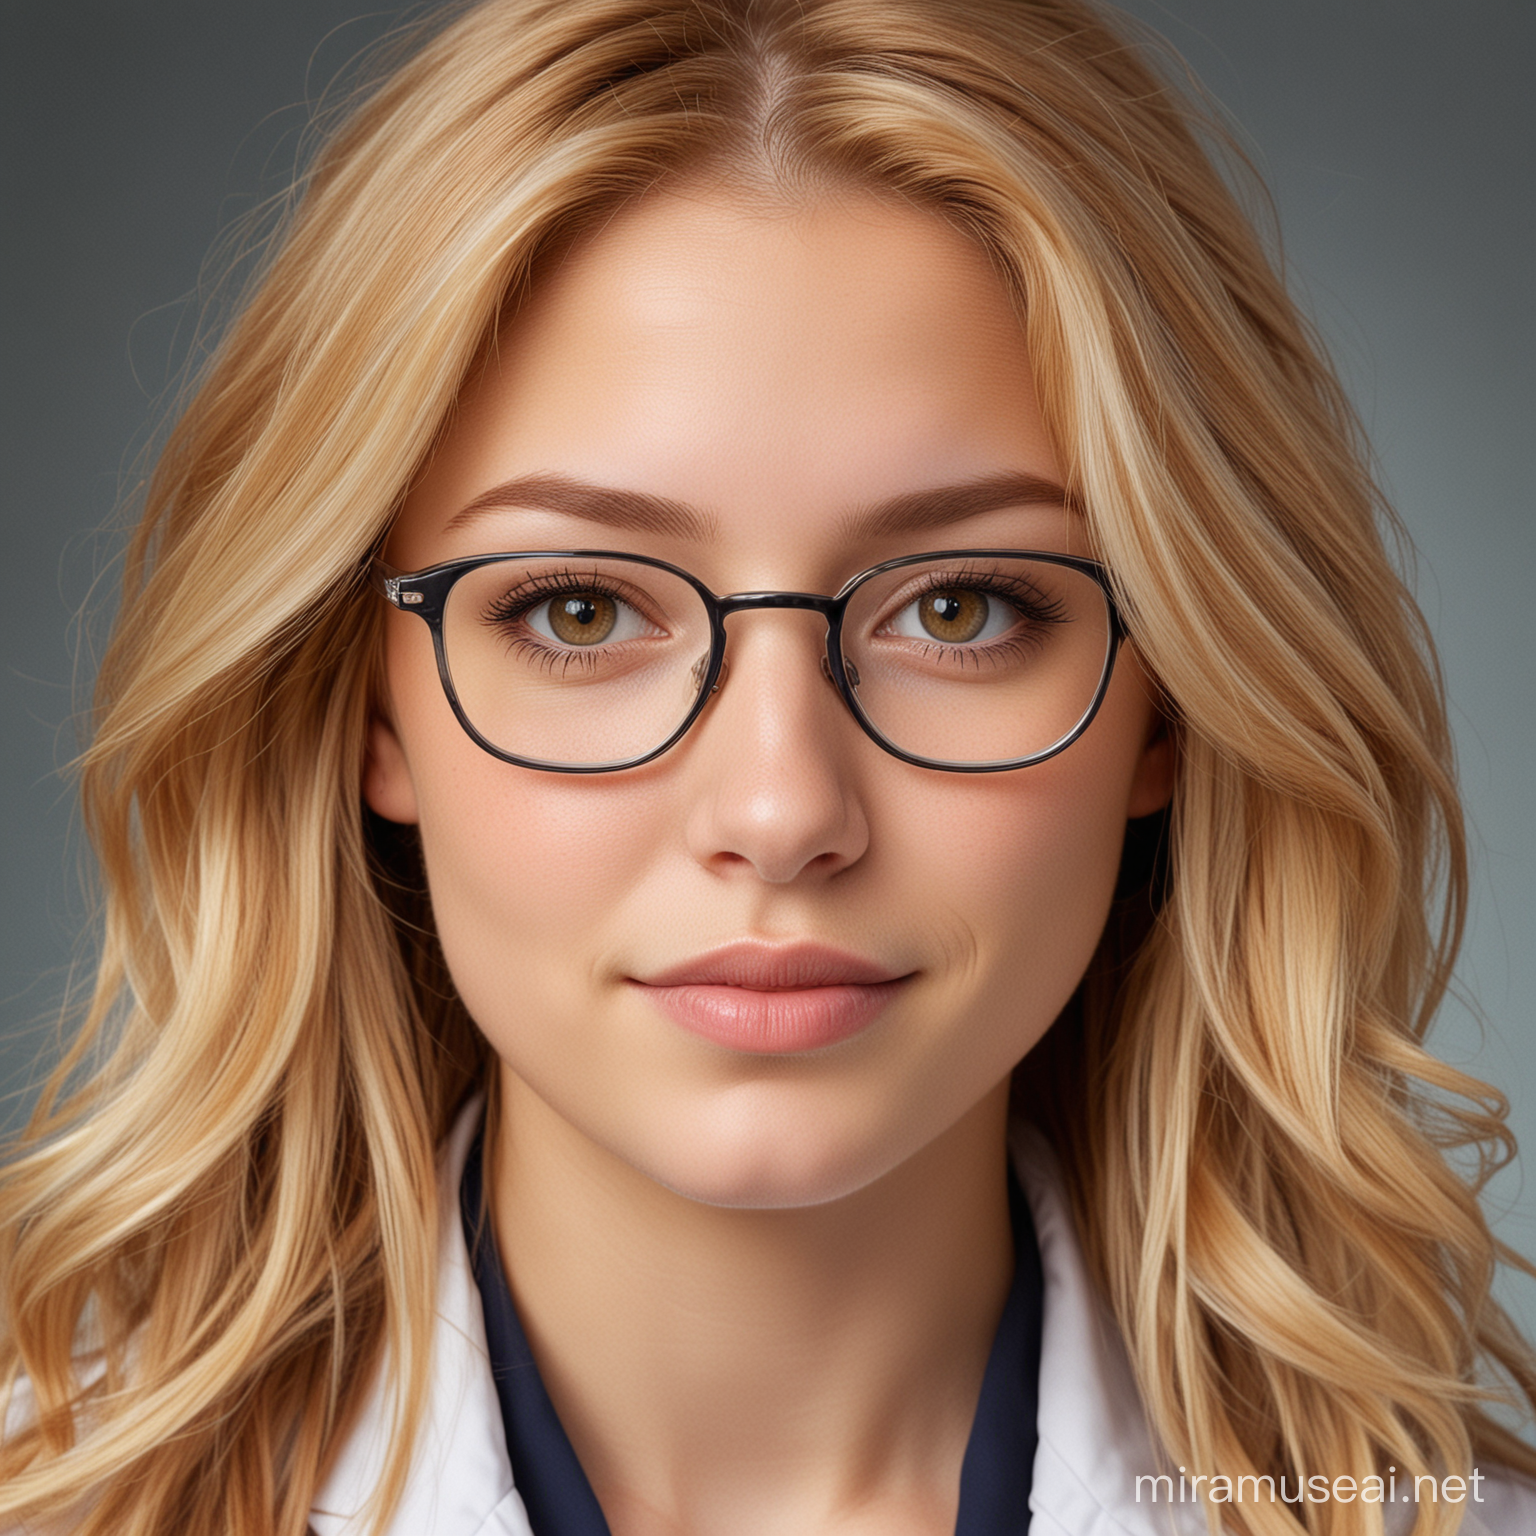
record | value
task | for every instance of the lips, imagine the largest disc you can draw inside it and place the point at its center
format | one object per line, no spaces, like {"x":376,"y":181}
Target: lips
{"x":773,"y":968}
{"x":771,"y":999}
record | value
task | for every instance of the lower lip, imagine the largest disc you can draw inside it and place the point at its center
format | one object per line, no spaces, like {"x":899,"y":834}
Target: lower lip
{"x":774,"y":1023}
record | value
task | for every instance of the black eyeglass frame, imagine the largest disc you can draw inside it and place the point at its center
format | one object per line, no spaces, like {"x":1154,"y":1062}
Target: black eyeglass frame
{"x":425,"y":593}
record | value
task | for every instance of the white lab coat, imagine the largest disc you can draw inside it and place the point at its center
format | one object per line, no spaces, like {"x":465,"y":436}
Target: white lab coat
{"x":1094,"y":1440}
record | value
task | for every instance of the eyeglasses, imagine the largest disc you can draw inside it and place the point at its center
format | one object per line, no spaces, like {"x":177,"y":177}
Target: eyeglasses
{"x":588,"y":661}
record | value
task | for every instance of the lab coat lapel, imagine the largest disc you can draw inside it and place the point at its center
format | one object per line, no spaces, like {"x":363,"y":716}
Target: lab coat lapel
{"x":460,"y":1482}
{"x":1094,"y":1439}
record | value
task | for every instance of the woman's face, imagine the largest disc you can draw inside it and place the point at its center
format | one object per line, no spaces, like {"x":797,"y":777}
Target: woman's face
{"x":771,"y":372}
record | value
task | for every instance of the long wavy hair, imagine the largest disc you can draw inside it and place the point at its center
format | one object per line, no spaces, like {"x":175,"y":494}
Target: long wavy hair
{"x":208,"y":1248}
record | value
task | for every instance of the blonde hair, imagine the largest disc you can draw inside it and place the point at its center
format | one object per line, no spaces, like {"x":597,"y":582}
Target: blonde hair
{"x":209,"y":1248}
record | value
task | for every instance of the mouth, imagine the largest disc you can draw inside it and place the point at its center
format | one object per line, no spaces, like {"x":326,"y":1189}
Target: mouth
{"x":773,"y":998}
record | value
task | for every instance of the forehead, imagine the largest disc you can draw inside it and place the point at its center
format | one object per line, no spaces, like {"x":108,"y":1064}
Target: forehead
{"x":761,"y":363}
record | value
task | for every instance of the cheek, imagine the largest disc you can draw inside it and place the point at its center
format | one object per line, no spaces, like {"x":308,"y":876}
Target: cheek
{"x":1031,"y":882}
{"x":522,"y":866}
{"x":1021,"y":873}
{"x":524,"y":872}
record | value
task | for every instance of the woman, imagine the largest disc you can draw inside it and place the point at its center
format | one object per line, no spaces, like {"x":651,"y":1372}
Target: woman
{"x":909,"y":674}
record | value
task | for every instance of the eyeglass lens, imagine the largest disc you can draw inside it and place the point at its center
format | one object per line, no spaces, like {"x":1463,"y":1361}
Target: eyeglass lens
{"x":582,"y":662}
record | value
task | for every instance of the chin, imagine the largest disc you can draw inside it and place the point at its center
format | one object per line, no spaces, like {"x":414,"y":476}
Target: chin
{"x":773,"y":1164}
{"x":763,"y":1189}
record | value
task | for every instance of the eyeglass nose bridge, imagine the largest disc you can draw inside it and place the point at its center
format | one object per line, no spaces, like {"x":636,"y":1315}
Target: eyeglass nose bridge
{"x":739,"y":602}
{"x":830,"y":608}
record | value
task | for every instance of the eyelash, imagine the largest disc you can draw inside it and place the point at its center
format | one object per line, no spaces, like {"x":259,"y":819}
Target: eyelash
{"x":511,"y":606}
{"x":1037,"y":611}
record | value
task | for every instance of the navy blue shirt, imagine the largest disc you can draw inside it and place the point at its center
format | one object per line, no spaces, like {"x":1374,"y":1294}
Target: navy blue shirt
{"x":999,"y":1456}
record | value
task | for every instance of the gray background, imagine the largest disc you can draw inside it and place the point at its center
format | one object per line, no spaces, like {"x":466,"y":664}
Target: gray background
{"x":1395,"y":134}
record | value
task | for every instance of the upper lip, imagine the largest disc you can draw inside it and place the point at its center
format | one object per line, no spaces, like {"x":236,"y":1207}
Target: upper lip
{"x":769,"y":967}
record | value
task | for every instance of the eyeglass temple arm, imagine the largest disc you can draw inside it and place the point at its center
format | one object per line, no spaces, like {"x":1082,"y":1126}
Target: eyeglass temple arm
{"x":385,"y":578}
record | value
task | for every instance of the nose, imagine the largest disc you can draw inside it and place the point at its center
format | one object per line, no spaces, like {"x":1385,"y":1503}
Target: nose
{"x":776,"y":761}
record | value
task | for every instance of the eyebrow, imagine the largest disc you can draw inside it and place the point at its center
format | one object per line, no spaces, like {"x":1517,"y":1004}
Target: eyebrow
{"x":641,"y":512}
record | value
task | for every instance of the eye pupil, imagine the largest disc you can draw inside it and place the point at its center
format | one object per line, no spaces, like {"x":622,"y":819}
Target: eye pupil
{"x":953,"y":613}
{"x":583,"y":618}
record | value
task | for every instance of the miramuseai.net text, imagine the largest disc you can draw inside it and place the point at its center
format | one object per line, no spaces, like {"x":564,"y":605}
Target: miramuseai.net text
{"x":1318,"y":1488}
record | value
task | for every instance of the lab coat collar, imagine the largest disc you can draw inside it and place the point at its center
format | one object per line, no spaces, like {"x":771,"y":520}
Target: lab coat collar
{"x":1094,"y":1437}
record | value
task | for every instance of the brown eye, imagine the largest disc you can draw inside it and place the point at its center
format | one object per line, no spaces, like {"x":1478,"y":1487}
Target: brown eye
{"x":955,"y":614}
{"x":582,"y":618}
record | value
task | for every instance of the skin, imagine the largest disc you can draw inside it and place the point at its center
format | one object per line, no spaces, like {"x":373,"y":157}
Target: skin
{"x":761,"y":1289}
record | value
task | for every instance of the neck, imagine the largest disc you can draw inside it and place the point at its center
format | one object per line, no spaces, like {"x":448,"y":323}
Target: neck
{"x":755,"y":1370}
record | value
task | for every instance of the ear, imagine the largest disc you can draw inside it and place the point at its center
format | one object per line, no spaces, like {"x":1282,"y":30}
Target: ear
{"x":387,"y":785}
{"x":1152,"y":782}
